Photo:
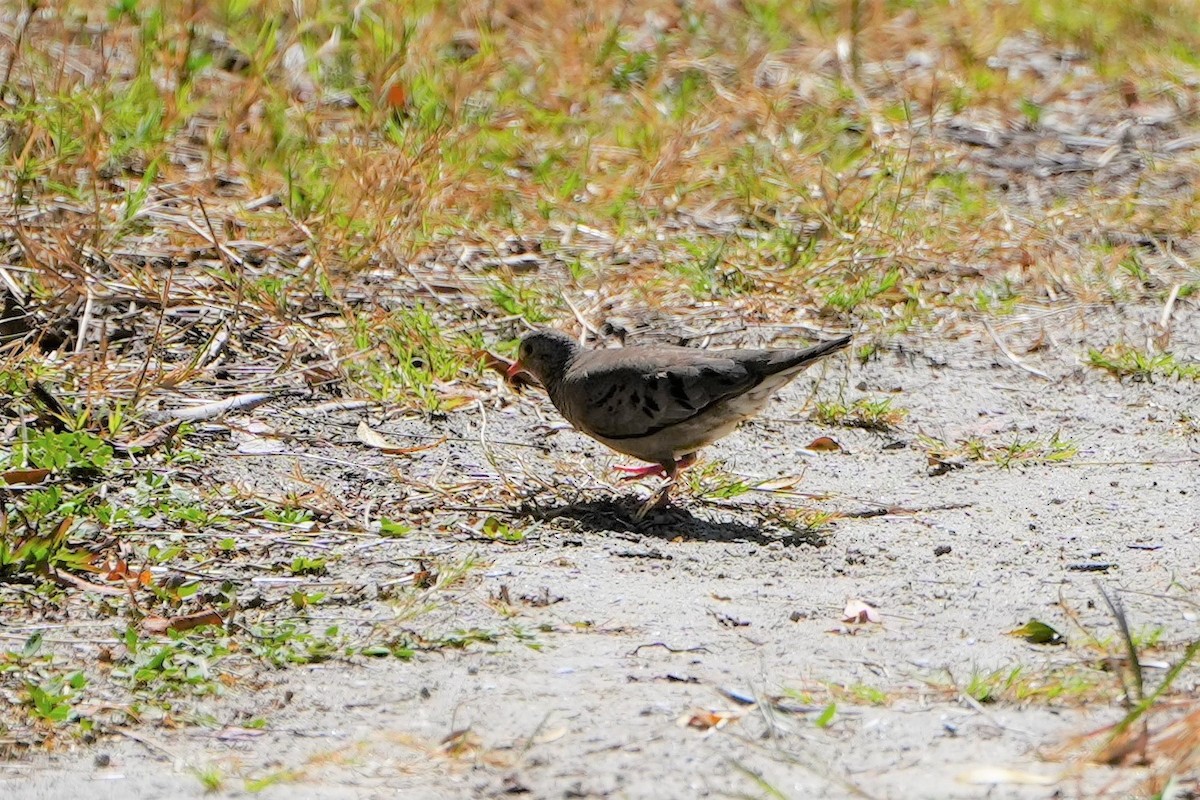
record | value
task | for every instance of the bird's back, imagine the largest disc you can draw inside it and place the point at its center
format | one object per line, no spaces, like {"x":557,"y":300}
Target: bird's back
{"x":639,"y":392}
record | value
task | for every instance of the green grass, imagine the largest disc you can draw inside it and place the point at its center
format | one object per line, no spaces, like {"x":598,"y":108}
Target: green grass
{"x":1006,"y":454}
{"x":211,"y":778}
{"x":1020,"y":685}
{"x":868,"y":413}
{"x":1140,"y":365}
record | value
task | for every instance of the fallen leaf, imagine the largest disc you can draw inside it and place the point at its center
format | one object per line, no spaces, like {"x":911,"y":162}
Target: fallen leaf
{"x":1038,"y":632}
{"x":823,"y":444}
{"x":1002,"y":775}
{"x":552,"y":735}
{"x":461,"y":742}
{"x":119,"y":571}
{"x":397,"y":96}
{"x":707,"y":720}
{"x":160,"y":625}
{"x":779,"y":484}
{"x":1129,"y":92}
{"x":372,"y":438}
{"x":148,"y":441}
{"x":940,"y":466}
{"x":26,"y":477}
{"x":424,"y":577}
{"x":321,"y":376}
{"x":858,"y":612}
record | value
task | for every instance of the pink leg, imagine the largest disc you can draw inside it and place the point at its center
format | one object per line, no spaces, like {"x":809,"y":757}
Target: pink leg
{"x":637,"y":473}
{"x":669,"y":472}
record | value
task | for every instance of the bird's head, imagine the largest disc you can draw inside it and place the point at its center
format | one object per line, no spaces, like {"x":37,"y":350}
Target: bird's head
{"x":545,"y":355}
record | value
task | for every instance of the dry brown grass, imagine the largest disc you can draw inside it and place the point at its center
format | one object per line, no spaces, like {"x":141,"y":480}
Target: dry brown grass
{"x":736,"y":164}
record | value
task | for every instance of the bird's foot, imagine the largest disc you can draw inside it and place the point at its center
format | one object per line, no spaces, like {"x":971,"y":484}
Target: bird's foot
{"x":637,"y":473}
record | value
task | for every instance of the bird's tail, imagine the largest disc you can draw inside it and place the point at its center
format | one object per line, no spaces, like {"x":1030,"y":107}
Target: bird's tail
{"x":797,"y":360}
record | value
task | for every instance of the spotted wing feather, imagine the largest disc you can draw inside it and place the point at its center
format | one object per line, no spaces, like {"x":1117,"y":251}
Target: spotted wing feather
{"x":635,"y":400}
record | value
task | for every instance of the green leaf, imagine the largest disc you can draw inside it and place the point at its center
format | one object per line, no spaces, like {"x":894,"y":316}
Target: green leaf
{"x":32,"y":645}
{"x":1038,"y":632}
{"x":391,"y":528}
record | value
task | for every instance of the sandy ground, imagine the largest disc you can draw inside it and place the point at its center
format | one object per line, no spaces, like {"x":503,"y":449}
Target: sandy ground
{"x":615,"y":633}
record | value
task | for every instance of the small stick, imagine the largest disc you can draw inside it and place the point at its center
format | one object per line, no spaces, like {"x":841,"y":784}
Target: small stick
{"x":1170,"y":306}
{"x":587,"y":326}
{"x":85,"y":320}
{"x":1011,"y":356}
{"x":669,"y":649}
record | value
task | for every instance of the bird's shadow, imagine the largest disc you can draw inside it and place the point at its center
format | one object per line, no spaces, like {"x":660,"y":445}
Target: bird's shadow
{"x":620,"y":515}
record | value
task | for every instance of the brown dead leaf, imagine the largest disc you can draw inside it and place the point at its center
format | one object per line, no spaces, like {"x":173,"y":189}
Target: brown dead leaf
{"x":160,"y":625}
{"x":461,"y":742}
{"x":24,"y":477}
{"x":424,"y":577}
{"x":859,"y":612}
{"x":120,"y":571}
{"x":824,"y":444}
{"x":940,"y":466}
{"x":148,"y":441}
{"x":779,"y":484}
{"x":397,"y":96}
{"x":375,"y":439}
{"x":706,"y":720}
{"x":321,"y":376}
{"x":1129,"y":92}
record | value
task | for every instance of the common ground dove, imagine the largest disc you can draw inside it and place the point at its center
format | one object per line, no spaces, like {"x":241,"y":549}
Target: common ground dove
{"x":659,"y":403}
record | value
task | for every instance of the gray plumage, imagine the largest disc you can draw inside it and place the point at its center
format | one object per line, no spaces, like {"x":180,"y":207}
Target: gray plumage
{"x":660,"y":403}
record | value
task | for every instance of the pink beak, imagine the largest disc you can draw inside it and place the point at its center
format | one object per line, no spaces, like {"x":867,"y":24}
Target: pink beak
{"x":514,"y":370}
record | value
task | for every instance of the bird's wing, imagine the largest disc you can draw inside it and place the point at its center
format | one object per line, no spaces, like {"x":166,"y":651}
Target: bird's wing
{"x":623,"y":395}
